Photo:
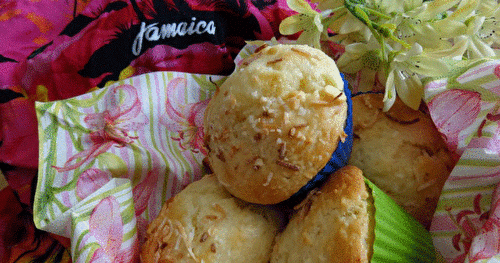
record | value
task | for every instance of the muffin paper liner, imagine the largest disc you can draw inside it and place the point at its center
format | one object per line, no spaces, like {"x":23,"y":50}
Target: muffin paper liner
{"x":398,"y":236}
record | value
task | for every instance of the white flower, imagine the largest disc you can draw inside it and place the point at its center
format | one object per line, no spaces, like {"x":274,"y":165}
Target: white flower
{"x":309,"y":21}
{"x":365,"y":60}
{"x":412,"y":29}
{"x":470,"y":44}
{"x":400,"y":42}
{"x":490,"y":29}
{"x":405,"y":71}
{"x":360,"y":55}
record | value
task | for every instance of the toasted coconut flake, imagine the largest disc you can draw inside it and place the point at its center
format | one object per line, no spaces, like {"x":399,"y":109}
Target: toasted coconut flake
{"x":259,"y":49}
{"x":343,"y":136}
{"x":267,"y":114}
{"x":269,"y":177}
{"x":426,"y":185}
{"x":258,"y":163}
{"x":186,"y":240}
{"x":327,"y":101}
{"x":288,"y":165}
{"x":282,"y":151}
{"x":219,"y":208}
{"x":272,"y":62}
{"x":305,"y":206}
{"x":300,"y":52}
{"x":204,"y":237}
{"x":212,"y":248}
{"x":211,"y":217}
{"x":293,"y":132}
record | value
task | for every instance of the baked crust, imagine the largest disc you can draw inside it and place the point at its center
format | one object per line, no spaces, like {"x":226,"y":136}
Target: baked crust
{"x":274,"y":123}
{"x":204,"y":223}
{"x":334,"y":224}
{"x":402,"y":152}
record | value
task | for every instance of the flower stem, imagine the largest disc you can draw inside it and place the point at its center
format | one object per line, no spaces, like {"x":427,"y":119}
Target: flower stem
{"x":376,"y":13}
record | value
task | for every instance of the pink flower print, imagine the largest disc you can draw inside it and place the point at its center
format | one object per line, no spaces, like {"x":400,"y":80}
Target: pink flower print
{"x":143,"y":191}
{"x":487,"y":243}
{"x":110,"y":127}
{"x":90,"y":181}
{"x":497,"y":71}
{"x":185,"y":119}
{"x":470,"y":224}
{"x":491,"y":144}
{"x":106,"y":226}
{"x":453,"y":111}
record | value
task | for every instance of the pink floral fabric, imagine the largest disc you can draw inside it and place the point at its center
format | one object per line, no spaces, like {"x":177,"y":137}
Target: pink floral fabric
{"x":453,"y":111}
{"x":186,"y":120}
{"x":109,"y":128}
{"x":466,"y":224}
{"x":52,"y":50}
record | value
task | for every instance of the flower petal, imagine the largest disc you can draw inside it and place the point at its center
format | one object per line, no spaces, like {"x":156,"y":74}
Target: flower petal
{"x":95,"y":121}
{"x":349,"y":66}
{"x":291,"y":25}
{"x":480,"y":49}
{"x":427,"y":66}
{"x":433,"y":8}
{"x":300,"y":6}
{"x":106,"y":225}
{"x":410,"y":90}
{"x":143,"y":191}
{"x":457,"y":50}
{"x":85,"y":155}
{"x":310,"y":38}
{"x":390,"y":92}
{"x":318,"y":23}
{"x":90,"y":181}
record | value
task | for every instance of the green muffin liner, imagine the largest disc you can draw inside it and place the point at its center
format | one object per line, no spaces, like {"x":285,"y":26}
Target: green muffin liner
{"x":398,"y":236}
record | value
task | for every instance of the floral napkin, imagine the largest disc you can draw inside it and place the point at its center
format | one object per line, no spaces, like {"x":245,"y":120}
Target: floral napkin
{"x":465,"y":108}
{"x":110,"y":158}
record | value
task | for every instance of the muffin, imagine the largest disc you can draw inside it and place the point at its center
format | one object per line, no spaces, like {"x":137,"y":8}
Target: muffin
{"x":275,"y":122}
{"x":204,"y":223}
{"x":350,"y":220}
{"x":334,"y":224}
{"x":401,"y":152}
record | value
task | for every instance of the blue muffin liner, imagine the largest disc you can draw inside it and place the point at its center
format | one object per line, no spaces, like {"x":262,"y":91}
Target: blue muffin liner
{"x":339,"y":158}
